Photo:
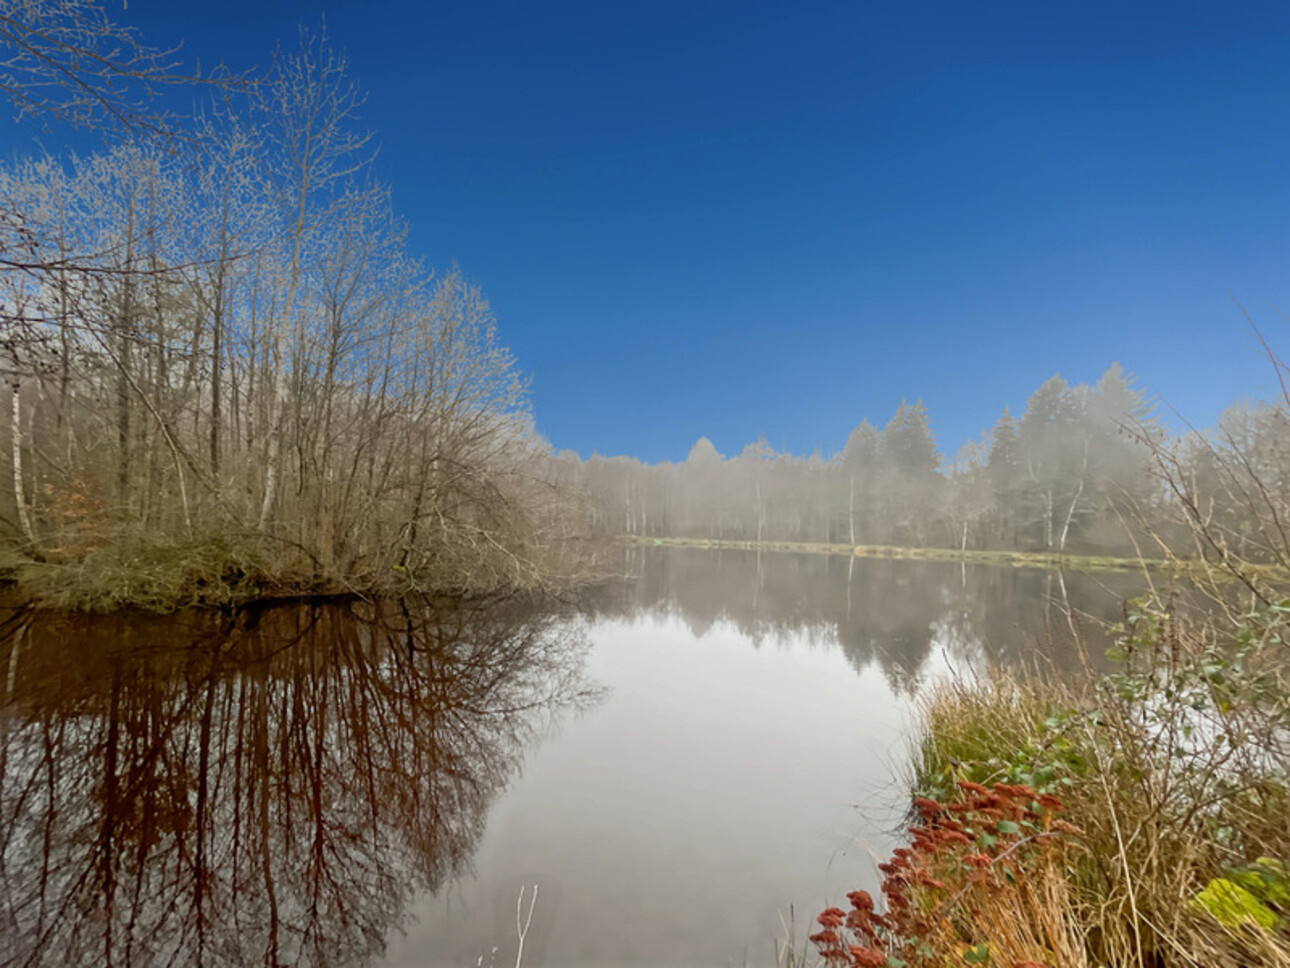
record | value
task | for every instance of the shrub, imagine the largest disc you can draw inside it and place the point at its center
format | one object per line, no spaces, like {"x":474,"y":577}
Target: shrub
{"x":982,"y":881}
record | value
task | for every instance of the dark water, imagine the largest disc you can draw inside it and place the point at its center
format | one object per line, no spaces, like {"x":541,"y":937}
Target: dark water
{"x":675,"y":764}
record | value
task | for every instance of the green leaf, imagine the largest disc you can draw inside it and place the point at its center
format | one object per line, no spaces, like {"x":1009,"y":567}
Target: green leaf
{"x":1008,"y":827}
{"x":1266,"y":879}
{"x":1232,"y":905}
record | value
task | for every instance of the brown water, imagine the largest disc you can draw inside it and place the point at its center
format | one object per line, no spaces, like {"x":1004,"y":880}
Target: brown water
{"x":676,"y":764}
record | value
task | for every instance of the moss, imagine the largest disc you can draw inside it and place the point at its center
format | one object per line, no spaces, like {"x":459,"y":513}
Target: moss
{"x":160,"y":575}
{"x":1233,"y":906}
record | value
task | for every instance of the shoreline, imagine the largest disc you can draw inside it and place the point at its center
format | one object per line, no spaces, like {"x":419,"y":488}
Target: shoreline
{"x":1014,"y":559}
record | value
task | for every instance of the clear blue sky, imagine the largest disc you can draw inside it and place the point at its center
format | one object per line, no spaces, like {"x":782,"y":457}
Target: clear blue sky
{"x":737,"y":219}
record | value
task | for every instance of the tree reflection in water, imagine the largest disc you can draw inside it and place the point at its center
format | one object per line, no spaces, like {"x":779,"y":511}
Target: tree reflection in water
{"x":266,"y":788}
{"x":895,"y":613}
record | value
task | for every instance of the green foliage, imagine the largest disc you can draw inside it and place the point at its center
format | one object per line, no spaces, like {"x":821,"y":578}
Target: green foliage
{"x":1232,"y":905}
{"x":998,"y":732}
{"x":1255,"y":894}
{"x":1267,"y":880}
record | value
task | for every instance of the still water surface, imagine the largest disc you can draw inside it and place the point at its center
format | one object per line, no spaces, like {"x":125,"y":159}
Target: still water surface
{"x":677,"y":763}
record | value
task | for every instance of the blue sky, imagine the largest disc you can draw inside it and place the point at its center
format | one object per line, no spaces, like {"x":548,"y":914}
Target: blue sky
{"x":744,"y":219}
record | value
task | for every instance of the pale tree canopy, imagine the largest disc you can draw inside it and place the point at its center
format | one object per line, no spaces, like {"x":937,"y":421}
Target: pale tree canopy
{"x":71,"y":60}
{"x":703,"y":452}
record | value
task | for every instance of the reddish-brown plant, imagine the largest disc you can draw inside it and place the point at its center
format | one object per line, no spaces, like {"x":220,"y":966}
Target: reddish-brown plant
{"x":976,"y":884}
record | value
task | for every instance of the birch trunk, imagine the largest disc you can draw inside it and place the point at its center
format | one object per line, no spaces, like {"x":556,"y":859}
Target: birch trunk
{"x":851,"y":510}
{"x":15,"y":433}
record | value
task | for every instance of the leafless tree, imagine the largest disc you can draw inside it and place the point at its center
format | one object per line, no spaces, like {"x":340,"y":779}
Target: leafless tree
{"x":231,"y":344}
{"x":71,"y":60}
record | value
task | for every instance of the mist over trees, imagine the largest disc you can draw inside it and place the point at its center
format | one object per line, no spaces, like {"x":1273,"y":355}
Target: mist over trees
{"x":1078,"y":471}
{"x":218,"y":347}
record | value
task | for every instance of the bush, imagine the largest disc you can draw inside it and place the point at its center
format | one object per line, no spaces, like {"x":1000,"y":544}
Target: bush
{"x":981,"y":882}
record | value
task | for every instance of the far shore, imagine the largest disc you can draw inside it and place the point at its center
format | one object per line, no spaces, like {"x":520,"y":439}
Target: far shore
{"x":1016,"y":559}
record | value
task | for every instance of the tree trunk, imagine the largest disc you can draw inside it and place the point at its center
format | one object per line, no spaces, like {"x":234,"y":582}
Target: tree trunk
{"x":851,"y":510}
{"x":217,"y":367}
{"x":761,"y":512}
{"x":1048,"y":519}
{"x":277,"y":408}
{"x":15,"y":428}
{"x":1070,"y":514}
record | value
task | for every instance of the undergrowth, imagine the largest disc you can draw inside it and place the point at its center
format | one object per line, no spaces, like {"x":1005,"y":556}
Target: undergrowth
{"x":158,"y":575}
{"x":1141,"y":822}
{"x":163,"y":574}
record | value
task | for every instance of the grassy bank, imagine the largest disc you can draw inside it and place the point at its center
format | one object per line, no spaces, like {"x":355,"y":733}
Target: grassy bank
{"x":162,"y":575}
{"x":1018,"y":559}
{"x":1139,"y":820}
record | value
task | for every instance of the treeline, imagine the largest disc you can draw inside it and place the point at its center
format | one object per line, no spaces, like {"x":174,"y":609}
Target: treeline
{"x":1083,"y":470}
{"x":223,"y":365}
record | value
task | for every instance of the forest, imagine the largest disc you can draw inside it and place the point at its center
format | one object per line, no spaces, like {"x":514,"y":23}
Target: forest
{"x":231,"y":380}
{"x":227,"y":375}
{"x":1087,"y":470}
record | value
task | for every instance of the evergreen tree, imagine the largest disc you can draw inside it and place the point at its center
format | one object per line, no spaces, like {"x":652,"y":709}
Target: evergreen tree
{"x":910,"y":478}
{"x":860,"y":465}
{"x":703,"y":453}
{"x":1003,"y":468}
{"x":861,"y":450}
{"x":1045,"y":451}
{"x":907,"y":444}
{"x":1003,"y":461}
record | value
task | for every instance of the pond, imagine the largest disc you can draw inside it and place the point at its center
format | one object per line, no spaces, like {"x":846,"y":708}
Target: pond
{"x":681,"y":763}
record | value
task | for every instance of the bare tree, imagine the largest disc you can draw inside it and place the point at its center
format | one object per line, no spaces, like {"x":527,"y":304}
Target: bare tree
{"x":228,"y":348}
{"x":315,"y":160}
{"x":69,"y":59}
{"x":1231,"y":488}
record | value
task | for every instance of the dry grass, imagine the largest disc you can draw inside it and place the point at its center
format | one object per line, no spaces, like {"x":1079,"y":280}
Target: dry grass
{"x":1176,"y":771}
{"x":1015,"y":559}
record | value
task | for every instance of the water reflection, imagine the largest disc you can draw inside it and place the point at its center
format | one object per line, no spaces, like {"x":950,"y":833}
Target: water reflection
{"x":293,"y":784}
{"x":269,"y":788}
{"x":895,"y":613}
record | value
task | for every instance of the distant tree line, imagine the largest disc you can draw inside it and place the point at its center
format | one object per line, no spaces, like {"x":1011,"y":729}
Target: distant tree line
{"x":1083,"y":470}
{"x":215,"y":340}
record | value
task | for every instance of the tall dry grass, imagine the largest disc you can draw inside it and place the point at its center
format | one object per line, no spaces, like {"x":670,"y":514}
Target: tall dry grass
{"x":1175,"y":768}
